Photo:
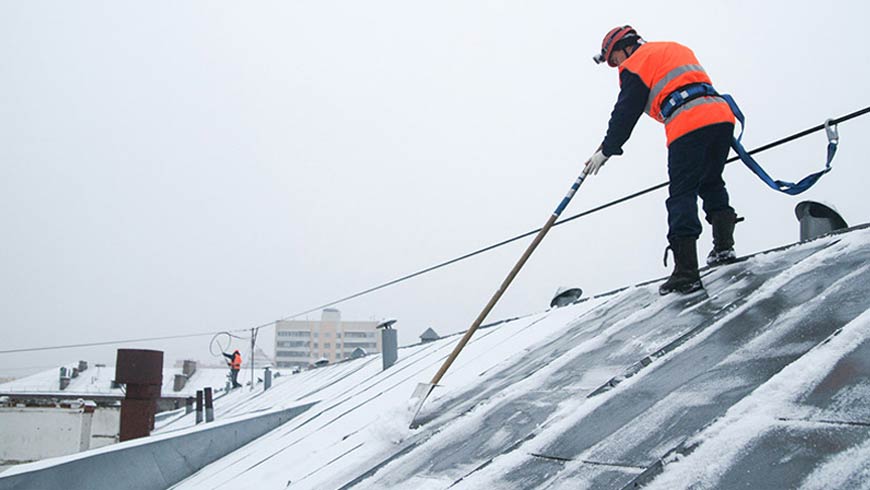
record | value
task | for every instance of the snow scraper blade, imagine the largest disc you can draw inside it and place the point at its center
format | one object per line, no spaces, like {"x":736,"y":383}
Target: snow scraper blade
{"x":418,"y":398}
{"x":423,"y":390}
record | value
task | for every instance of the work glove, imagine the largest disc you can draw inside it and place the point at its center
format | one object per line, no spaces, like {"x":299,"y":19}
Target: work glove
{"x":595,"y":162}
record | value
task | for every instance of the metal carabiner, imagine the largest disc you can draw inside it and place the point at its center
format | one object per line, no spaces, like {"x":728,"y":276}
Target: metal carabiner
{"x":831,"y":130}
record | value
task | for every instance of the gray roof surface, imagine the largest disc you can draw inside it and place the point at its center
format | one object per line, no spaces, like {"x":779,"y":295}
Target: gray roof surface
{"x":760,"y":382}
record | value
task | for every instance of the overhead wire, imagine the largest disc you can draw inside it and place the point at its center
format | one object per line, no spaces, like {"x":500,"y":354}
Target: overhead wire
{"x":629,"y":197}
{"x":446,"y":263}
{"x":230,"y":337}
{"x":108,"y":342}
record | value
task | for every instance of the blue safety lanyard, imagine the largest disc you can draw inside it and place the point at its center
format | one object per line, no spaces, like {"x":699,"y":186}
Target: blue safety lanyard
{"x":682,"y":96}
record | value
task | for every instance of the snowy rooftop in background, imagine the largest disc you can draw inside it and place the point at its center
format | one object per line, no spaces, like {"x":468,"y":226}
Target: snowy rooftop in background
{"x":97,"y":381}
{"x":761,"y":382}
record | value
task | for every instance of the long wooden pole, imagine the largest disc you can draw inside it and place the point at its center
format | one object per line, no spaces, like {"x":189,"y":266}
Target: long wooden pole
{"x":498,"y":294}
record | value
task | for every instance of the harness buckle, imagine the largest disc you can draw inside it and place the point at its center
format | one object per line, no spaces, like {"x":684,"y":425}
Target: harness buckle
{"x":831,"y":131}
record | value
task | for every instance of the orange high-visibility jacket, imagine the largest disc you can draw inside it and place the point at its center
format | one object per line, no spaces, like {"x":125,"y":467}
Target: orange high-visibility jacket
{"x":237,"y":361}
{"x":652,"y":72}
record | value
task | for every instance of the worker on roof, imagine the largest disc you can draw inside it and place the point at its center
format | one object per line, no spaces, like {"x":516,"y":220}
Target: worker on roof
{"x":235,"y":364}
{"x":699,"y":129}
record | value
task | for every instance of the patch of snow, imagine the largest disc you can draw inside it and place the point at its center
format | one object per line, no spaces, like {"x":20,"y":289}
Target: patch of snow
{"x":723,"y":442}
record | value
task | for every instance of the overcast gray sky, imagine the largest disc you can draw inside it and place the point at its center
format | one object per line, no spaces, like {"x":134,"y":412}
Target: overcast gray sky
{"x":178,"y":167}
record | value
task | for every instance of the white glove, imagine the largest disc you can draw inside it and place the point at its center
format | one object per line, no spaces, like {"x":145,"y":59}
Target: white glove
{"x":595,"y":162}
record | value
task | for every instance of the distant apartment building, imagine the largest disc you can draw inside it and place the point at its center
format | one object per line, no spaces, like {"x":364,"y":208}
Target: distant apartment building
{"x":304,"y":342}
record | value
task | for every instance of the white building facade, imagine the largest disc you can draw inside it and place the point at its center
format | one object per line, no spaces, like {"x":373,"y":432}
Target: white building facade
{"x":304,"y":342}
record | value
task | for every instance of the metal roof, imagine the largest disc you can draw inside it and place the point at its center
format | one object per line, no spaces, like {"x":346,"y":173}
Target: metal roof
{"x":762,"y":381}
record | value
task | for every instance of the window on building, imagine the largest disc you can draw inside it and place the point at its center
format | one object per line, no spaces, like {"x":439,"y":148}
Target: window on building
{"x":292,"y":343}
{"x":364,"y":345}
{"x":291,"y":353}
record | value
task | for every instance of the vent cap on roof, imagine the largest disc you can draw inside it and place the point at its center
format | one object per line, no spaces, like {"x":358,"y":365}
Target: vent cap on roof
{"x":429,"y":335}
{"x":565,"y":296}
{"x":817,"y":219}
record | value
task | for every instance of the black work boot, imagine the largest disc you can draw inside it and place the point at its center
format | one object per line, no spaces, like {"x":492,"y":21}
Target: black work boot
{"x":723,"y":237}
{"x":685,"y":278}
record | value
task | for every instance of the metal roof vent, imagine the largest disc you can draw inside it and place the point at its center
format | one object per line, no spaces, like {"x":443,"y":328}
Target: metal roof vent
{"x":429,"y":335}
{"x":565,"y":296}
{"x":389,"y":343}
{"x":817,"y":219}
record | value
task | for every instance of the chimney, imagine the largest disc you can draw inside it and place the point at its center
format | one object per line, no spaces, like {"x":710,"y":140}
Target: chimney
{"x":83,"y":366}
{"x":817,"y":219}
{"x":389,"y":343}
{"x":142,"y":372}
{"x":179,"y":382}
{"x":199,"y":406}
{"x":267,"y":378}
{"x":189,"y":367}
{"x":209,"y":405}
{"x":64,"y":378}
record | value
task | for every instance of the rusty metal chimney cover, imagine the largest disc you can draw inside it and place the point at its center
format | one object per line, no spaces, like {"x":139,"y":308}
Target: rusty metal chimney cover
{"x":139,"y":366}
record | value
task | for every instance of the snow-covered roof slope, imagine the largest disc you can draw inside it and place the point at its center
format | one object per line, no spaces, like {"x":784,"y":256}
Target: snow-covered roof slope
{"x":97,"y":381}
{"x":761,"y":382}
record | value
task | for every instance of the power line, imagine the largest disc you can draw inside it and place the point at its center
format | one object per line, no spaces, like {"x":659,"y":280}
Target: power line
{"x":570,"y":218}
{"x":426,"y":270}
{"x":111,"y":342}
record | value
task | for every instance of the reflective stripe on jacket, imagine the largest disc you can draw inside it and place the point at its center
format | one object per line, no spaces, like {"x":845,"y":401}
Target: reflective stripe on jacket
{"x":663,"y":67}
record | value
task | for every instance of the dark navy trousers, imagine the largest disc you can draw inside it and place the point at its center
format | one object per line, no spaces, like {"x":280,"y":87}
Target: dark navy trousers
{"x":695,"y":164}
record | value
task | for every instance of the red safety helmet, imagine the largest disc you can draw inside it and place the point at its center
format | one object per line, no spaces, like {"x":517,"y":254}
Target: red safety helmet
{"x":611,"y":39}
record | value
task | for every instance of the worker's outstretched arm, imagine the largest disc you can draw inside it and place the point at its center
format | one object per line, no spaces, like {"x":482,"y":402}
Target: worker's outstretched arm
{"x":629,"y":106}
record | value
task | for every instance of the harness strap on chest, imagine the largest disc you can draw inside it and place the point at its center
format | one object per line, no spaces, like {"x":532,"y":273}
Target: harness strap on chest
{"x":685,"y":94}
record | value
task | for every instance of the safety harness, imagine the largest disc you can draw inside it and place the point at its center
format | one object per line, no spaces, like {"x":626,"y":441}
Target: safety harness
{"x":690,"y":92}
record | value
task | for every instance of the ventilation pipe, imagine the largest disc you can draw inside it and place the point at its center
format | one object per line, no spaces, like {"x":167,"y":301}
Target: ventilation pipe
{"x":389,"y":343}
{"x":199,"y":406}
{"x":188,"y":368}
{"x":64,"y":379}
{"x":565,"y":296}
{"x":209,"y":404}
{"x":817,"y":219}
{"x":142,"y":372}
{"x":267,"y":378}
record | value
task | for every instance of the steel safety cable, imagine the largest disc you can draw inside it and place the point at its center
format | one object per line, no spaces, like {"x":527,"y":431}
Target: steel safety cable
{"x":426,"y":270}
{"x":629,"y":197}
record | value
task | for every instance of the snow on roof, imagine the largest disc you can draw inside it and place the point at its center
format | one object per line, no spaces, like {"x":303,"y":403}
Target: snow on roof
{"x":760,"y":382}
{"x":715,"y":388}
{"x":97,"y":381}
